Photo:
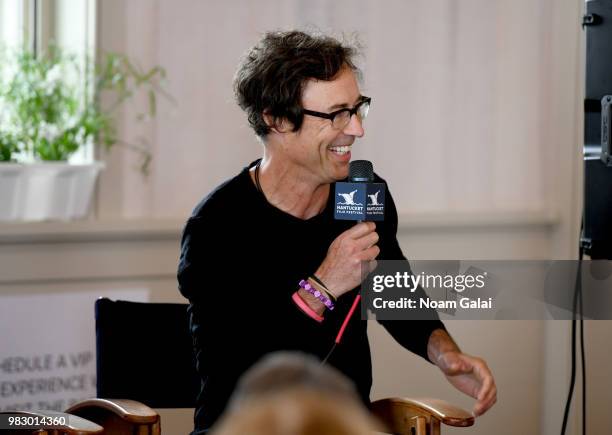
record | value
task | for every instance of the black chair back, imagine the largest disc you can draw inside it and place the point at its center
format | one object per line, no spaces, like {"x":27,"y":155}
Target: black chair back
{"x":145,"y":353}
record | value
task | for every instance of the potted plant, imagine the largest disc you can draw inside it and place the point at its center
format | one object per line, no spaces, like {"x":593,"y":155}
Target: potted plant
{"x":49,"y":110}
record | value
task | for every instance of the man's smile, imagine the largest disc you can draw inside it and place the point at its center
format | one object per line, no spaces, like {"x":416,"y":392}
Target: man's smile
{"x":340,"y":149}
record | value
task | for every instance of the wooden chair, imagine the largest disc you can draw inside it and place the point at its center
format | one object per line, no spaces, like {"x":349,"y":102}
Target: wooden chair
{"x":125,"y":331}
{"x":405,"y":416}
{"x":119,"y":416}
{"x":73,"y":425}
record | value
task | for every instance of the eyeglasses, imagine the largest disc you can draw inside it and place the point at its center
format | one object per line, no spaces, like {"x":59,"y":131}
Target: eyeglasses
{"x":341,"y":118}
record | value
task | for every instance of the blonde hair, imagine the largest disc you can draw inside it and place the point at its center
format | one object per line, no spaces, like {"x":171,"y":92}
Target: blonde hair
{"x":298,"y":411}
{"x":292,"y":393}
{"x":285,"y":370}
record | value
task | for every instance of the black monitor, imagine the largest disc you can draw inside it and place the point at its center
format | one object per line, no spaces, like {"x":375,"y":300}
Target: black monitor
{"x":597,"y":223}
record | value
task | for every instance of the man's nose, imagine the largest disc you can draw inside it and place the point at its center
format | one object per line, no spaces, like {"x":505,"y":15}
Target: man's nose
{"x":354,"y":127}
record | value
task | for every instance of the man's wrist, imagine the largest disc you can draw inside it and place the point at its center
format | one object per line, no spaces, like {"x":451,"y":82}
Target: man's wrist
{"x":322,"y":275}
{"x":315,"y":304}
{"x":440,"y":343}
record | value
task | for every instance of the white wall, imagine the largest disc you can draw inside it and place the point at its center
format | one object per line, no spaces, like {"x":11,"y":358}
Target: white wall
{"x":475,"y":124}
{"x":470,"y":110}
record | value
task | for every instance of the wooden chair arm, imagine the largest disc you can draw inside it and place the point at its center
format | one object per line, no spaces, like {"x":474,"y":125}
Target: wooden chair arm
{"x":400,"y":415}
{"x":74,"y":425}
{"x":119,"y":416}
{"x":128,"y":410}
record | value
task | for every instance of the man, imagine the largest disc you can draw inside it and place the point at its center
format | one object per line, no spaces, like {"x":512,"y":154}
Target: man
{"x":257,"y":249}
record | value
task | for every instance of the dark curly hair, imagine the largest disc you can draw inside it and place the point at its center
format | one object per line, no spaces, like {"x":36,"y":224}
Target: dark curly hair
{"x":273,"y":73}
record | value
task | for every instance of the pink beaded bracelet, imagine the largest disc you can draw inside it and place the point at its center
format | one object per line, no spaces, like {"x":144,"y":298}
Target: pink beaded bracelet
{"x":317,"y":294}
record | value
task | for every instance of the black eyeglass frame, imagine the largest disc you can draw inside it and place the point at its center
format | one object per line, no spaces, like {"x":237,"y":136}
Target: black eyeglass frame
{"x":332,"y":115}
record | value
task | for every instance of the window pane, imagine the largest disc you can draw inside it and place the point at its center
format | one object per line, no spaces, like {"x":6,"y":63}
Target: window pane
{"x":35,"y":25}
{"x":12,"y":22}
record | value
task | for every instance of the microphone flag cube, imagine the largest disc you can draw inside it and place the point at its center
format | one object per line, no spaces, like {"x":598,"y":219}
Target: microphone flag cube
{"x":359,"y":201}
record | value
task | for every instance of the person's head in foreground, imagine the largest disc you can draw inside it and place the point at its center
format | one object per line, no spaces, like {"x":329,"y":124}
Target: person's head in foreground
{"x":293,"y":394}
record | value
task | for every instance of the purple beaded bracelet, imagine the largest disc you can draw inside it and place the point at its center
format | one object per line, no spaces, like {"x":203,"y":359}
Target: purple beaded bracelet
{"x":317,"y":294}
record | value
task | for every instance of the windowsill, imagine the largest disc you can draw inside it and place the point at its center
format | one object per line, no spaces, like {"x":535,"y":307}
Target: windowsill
{"x":477,"y":220}
{"x":64,"y":253}
{"x":170,"y":229}
{"x":90,"y":231}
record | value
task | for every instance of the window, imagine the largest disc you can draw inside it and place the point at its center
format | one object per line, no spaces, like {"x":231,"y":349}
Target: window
{"x":35,"y":24}
{"x":14,"y":22}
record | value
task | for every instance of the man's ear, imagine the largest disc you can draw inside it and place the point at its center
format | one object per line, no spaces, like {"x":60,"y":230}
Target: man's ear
{"x":278,"y":125}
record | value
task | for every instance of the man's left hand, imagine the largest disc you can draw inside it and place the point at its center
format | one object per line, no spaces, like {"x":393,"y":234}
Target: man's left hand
{"x":470,"y":375}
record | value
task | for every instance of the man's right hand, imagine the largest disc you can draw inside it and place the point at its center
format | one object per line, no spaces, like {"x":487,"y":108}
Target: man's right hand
{"x":341,"y":269}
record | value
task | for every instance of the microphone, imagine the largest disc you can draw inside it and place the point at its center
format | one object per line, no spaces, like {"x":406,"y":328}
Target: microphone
{"x":360,"y":199}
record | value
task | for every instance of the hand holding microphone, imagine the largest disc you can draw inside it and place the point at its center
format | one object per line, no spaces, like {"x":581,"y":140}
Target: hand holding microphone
{"x":360,"y":199}
{"x":341,"y":269}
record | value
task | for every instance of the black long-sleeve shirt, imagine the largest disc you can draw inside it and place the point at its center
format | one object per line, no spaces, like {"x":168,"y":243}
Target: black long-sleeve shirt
{"x":241,"y":261}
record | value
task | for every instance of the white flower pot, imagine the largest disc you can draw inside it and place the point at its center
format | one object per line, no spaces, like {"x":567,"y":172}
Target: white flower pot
{"x":11,"y":175}
{"x":46,"y":191}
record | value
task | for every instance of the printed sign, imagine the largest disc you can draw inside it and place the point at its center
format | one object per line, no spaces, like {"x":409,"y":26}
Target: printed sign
{"x":48,"y":348}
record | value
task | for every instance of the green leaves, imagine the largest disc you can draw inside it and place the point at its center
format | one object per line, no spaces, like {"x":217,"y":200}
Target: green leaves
{"x":8,"y":147}
{"x":50,"y":105}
